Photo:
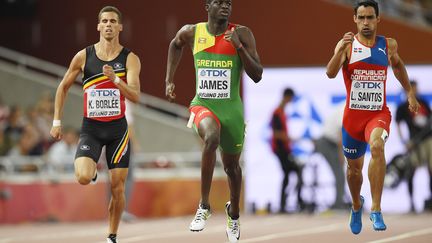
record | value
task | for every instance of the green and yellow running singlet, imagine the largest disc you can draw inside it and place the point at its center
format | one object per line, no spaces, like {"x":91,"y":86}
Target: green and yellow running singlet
{"x":218,"y":68}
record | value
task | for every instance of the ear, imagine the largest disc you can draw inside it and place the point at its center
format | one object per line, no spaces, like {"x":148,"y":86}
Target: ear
{"x":355,"y":18}
{"x":98,"y":27}
{"x":378,"y":19}
{"x":121,"y":27}
{"x":207,"y":7}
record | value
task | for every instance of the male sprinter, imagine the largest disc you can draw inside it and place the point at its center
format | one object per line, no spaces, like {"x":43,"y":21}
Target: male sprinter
{"x":221,"y":49}
{"x":365,"y":58}
{"x":111,"y":74}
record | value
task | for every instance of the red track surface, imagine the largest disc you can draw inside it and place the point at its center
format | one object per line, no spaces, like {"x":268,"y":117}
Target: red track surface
{"x":328,"y":227}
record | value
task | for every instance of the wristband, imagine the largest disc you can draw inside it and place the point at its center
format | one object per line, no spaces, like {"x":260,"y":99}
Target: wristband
{"x":117,"y":80}
{"x":56,"y":123}
{"x":240,"y":47}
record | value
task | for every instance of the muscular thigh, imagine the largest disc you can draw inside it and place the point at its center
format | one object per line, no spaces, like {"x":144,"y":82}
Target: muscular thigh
{"x":232,"y":135}
{"x":88,"y":146}
{"x":118,"y":149}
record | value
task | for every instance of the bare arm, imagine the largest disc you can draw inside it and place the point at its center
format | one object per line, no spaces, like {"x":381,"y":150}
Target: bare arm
{"x":244,"y":41}
{"x":340,"y":55}
{"x":131,"y":89}
{"x":401,"y":74}
{"x":69,"y":78}
{"x":175,"y":50}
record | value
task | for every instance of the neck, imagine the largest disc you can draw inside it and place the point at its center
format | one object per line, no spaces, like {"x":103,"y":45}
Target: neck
{"x":108,"y":49}
{"x":217,"y":26}
{"x":367,"y":40}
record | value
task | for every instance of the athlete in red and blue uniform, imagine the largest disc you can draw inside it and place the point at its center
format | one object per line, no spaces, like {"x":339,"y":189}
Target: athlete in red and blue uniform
{"x":365,"y":58}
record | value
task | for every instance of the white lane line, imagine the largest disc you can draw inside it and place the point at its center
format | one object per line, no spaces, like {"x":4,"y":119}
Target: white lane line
{"x":309,"y":231}
{"x":404,"y":236}
{"x":168,"y":235}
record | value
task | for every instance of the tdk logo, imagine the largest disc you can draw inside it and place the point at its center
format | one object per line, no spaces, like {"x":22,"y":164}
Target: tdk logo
{"x":105,"y":92}
{"x":213,"y":73}
{"x":350,"y":151}
{"x":368,"y":85}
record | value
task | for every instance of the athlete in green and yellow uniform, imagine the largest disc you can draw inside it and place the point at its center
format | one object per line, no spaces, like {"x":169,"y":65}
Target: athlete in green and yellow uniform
{"x":221,"y":50}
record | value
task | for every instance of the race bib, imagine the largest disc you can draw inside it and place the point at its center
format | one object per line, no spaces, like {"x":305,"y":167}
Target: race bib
{"x":214,"y":83}
{"x":103,"y":102}
{"x":366,"y":95}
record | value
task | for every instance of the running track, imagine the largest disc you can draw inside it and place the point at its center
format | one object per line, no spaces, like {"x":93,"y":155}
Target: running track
{"x":326,"y":227}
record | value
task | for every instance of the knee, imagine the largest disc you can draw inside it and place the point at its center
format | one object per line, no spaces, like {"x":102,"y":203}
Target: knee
{"x":211,"y":141}
{"x":377,"y":148}
{"x":117,"y":190}
{"x":354,"y":171}
{"x":83,"y":179}
{"x":233,"y":169}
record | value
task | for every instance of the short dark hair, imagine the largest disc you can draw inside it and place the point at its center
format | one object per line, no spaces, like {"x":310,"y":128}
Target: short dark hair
{"x":366,"y":3}
{"x":288,"y":92}
{"x":110,"y":9}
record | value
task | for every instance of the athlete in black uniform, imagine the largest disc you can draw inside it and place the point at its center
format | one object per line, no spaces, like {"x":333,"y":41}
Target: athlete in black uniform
{"x":111,"y":75}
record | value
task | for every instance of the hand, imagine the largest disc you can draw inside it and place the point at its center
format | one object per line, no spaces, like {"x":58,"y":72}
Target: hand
{"x":232,"y":36}
{"x":169,"y":92}
{"x":347,"y":39}
{"x":413,"y":104}
{"x":56,"y":132}
{"x":109,"y":72}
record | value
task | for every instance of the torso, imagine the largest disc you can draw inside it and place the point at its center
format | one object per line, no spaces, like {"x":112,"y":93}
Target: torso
{"x":102,"y":99}
{"x":218,"y":70}
{"x":365,"y":76}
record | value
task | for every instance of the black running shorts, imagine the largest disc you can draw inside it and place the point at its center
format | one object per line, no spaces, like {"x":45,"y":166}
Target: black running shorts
{"x":113,"y":134}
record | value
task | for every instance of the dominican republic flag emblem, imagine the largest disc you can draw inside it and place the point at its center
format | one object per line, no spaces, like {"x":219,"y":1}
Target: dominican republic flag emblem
{"x":358,"y":50}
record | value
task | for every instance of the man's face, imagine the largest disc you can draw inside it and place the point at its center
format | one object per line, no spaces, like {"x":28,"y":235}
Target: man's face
{"x":219,"y":9}
{"x":109,"y":25}
{"x":366,"y":21}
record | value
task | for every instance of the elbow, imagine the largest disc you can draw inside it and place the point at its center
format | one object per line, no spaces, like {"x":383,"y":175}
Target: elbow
{"x":256,"y":77}
{"x":331,"y":74}
{"x":135,"y":98}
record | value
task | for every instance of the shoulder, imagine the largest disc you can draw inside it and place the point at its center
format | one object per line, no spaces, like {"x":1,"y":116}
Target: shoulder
{"x":243,"y":29}
{"x":188,"y":28}
{"x":187,"y":32}
{"x":79,"y":58}
{"x":81,"y":54}
{"x":392,"y":43}
{"x":132,"y":55}
{"x":133,"y":59}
